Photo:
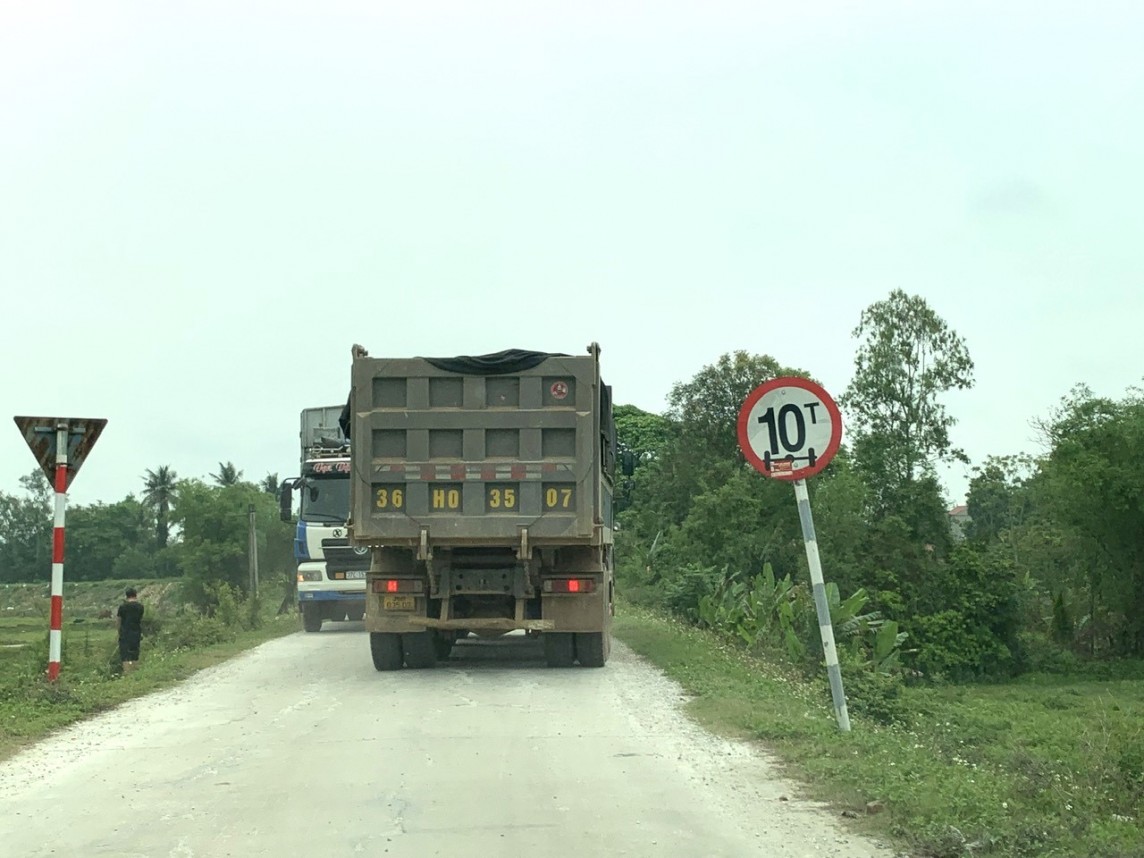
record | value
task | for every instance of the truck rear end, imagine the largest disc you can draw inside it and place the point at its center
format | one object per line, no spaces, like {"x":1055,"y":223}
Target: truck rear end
{"x":483,"y":489}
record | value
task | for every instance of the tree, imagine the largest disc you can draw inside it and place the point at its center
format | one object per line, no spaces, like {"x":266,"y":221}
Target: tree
{"x":999,"y":497}
{"x":270,"y":484}
{"x":26,"y":531}
{"x":707,"y":407}
{"x":695,"y":506}
{"x":105,"y":537}
{"x":228,"y":474}
{"x":215,"y":527}
{"x":641,"y":433}
{"x":160,"y":493}
{"x":907,"y":357}
{"x":702,"y":452}
{"x":838,"y":497}
{"x":640,"y":438}
{"x":1093,"y":481}
{"x":38,"y":488}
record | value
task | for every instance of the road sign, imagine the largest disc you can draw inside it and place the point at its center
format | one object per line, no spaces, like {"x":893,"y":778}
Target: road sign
{"x":41,"y":434}
{"x":60,"y":445}
{"x":789,"y":428}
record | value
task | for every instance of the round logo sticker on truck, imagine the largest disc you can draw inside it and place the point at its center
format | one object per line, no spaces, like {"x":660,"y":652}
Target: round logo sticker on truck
{"x":559,"y":390}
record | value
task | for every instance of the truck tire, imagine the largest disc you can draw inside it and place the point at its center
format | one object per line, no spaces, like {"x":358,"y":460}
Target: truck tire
{"x":312,"y":617}
{"x":592,"y":649}
{"x":559,"y":649}
{"x":355,"y":614}
{"x":336,"y":613}
{"x":386,"y":651}
{"x":420,"y":651}
{"x":442,"y":645}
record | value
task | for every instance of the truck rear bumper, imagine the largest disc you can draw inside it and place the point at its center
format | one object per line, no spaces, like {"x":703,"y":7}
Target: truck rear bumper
{"x":499,"y":624}
{"x":331,"y":596}
{"x":563,"y":613}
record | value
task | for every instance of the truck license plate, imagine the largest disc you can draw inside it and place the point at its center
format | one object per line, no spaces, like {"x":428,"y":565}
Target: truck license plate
{"x":398,"y":603}
{"x":355,"y":574}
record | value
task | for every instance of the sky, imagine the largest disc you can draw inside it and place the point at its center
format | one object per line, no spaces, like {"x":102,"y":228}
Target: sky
{"x":203,"y":206}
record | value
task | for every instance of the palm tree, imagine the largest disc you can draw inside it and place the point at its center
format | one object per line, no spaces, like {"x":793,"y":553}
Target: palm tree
{"x":161,"y":492}
{"x":270,"y":484}
{"x":228,"y":474}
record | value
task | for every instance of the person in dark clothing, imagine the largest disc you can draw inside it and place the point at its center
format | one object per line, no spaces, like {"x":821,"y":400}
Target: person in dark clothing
{"x":129,"y":619}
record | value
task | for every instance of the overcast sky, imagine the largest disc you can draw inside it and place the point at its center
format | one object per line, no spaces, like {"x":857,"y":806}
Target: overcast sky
{"x":203,"y":206}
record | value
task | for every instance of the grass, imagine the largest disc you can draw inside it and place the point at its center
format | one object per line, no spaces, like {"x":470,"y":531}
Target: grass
{"x":1049,"y":766}
{"x":179,"y":645}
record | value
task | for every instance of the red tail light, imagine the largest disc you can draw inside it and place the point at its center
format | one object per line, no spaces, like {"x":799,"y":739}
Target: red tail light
{"x":397,"y":585}
{"x":569,"y":585}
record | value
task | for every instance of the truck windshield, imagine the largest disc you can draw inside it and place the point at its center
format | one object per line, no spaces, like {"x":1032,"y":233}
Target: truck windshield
{"x":326,"y":498}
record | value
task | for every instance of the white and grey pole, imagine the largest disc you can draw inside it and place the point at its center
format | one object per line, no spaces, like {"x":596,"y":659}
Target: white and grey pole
{"x":826,"y":629}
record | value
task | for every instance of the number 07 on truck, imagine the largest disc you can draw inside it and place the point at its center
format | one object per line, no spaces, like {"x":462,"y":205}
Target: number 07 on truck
{"x":482,"y":487}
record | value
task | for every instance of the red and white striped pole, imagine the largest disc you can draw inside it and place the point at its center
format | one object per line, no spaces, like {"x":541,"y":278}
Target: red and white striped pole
{"x":56,"y":632}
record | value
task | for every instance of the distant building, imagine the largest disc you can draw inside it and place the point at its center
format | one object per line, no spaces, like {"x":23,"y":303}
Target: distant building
{"x":958,"y":520}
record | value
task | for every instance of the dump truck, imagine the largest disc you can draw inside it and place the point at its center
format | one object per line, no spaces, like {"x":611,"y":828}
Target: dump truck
{"x":482,"y":487}
{"x":330,"y":572}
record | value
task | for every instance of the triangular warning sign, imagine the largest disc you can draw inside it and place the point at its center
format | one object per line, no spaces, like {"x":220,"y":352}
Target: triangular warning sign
{"x":42,"y":433}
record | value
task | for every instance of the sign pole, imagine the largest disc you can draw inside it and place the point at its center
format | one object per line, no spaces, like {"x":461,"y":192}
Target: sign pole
{"x":825,"y":627}
{"x":789,"y":429}
{"x":60,"y":445}
{"x":55,"y":632}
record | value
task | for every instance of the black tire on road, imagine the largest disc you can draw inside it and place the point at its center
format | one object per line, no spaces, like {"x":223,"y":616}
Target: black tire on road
{"x":312,"y":617}
{"x":420,"y":650}
{"x":386,"y":651}
{"x":559,"y":649}
{"x":442,"y":645}
{"x":592,"y":649}
{"x":355,"y":614}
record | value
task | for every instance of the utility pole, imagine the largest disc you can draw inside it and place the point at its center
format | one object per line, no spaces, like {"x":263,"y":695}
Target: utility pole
{"x":252,"y":552}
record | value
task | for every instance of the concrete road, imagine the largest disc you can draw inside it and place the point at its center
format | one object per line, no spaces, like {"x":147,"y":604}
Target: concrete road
{"x":301,"y":748}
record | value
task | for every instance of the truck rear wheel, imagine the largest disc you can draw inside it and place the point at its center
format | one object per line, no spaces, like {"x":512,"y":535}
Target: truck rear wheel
{"x":355,"y":614}
{"x":312,"y":617}
{"x":559,"y":649}
{"x":386,"y":651}
{"x":420,"y":650}
{"x":443,"y":645}
{"x":592,"y":648}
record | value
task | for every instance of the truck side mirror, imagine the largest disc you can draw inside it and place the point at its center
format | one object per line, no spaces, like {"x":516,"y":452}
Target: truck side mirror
{"x":628,"y":463}
{"x":286,"y":501}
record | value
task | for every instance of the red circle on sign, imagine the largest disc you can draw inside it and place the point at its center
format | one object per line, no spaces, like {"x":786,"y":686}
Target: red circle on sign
{"x":821,"y":459}
{"x":559,"y":390}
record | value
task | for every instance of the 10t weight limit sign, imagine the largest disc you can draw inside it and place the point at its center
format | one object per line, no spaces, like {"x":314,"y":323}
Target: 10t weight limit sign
{"x":789,"y":428}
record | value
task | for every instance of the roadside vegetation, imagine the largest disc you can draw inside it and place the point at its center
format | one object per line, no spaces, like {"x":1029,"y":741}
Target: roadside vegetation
{"x":1045,"y":765}
{"x":179,"y":639}
{"x":990,"y":650}
{"x":184,"y":545}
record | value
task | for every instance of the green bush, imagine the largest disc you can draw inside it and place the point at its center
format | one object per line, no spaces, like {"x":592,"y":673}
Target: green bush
{"x":951,"y":646}
{"x":192,"y":631}
{"x":761,"y":611}
{"x":1041,"y":653}
{"x":874,"y":694}
{"x":684,"y":588}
